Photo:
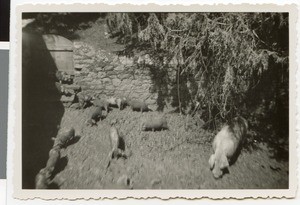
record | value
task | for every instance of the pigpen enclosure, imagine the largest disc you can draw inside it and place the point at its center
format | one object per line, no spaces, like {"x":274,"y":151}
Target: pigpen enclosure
{"x":143,"y":96}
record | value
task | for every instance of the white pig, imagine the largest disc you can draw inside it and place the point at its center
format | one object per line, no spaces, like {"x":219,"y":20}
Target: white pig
{"x":225,"y":145}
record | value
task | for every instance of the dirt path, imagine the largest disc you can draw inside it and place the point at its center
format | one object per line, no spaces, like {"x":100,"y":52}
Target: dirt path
{"x":170,"y":159}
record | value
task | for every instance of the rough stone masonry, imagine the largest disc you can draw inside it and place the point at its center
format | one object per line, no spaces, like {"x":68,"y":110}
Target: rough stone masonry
{"x":106,"y":74}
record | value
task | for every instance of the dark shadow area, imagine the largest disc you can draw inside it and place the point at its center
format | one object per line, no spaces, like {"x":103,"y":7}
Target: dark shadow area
{"x":225,"y":171}
{"x":122,"y":144}
{"x":53,"y":185}
{"x":155,"y":129}
{"x":73,"y":140}
{"x":279,"y":153}
{"x":184,"y":94}
{"x":160,"y":80}
{"x":109,"y":109}
{"x":60,"y":166}
{"x":268,"y":111}
{"x":113,"y":106}
{"x":41,"y":107}
{"x":139,"y":110}
{"x":234,"y":158}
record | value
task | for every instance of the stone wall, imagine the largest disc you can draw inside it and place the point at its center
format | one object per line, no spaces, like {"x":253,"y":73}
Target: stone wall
{"x":104,"y":73}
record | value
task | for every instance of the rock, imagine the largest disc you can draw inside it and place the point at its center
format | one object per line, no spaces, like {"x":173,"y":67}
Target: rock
{"x":110,"y":87}
{"x":124,"y":76}
{"x":119,"y":68}
{"x":108,"y":68}
{"x":106,"y":80}
{"x":98,"y":68}
{"x":110,"y":73}
{"x":101,"y":74}
{"x":116,"y":82}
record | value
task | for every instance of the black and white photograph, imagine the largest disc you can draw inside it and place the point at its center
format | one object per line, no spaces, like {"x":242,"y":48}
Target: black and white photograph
{"x":155,"y":100}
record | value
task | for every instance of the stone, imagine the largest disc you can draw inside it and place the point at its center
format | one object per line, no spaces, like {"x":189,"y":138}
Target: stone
{"x":80,"y":66}
{"x":98,"y":68}
{"x":116,"y":82}
{"x":145,"y":87}
{"x":99,"y":87}
{"x":106,"y":80}
{"x":110,"y":73}
{"x":86,"y":61}
{"x":110,"y":87}
{"x":96,"y":82}
{"x":119,"y":68}
{"x":101,"y":75}
{"x":124,"y":76}
{"x":77,"y":57}
{"x":108,"y":68}
{"x":137,"y":83}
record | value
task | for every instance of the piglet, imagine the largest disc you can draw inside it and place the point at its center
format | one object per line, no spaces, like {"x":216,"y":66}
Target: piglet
{"x":154,"y":124}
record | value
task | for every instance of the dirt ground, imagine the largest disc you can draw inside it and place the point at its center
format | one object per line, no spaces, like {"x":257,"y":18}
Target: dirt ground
{"x":171,"y":159}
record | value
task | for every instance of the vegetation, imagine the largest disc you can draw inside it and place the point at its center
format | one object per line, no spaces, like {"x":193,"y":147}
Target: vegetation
{"x":231,"y":63}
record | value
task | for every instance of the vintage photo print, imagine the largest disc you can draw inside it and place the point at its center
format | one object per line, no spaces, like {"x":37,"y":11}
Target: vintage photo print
{"x":149,"y":101}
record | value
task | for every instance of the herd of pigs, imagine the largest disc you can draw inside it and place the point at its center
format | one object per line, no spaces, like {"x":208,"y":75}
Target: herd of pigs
{"x":226,"y":144}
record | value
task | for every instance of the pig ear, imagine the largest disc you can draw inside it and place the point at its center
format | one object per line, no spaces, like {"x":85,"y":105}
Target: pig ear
{"x":211,"y":161}
{"x":224,"y":162}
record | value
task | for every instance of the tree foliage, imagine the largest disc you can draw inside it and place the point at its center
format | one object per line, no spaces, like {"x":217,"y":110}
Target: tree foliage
{"x":237,"y":63}
{"x":62,"y":23}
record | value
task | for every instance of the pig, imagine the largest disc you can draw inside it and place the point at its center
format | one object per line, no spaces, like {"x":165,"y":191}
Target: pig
{"x":63,"y":137}
{"x":84,"y":100}
{"x":54,"y":156}
{"x":226,"y":144}
{"x":119,"y":102}
{"x":42,"y":179}
{"x":154,"y":124}
{"x":114,"y":140}
{"x":95,"y":116}
{"x":102,"y":103}
{"x":137,"y":105}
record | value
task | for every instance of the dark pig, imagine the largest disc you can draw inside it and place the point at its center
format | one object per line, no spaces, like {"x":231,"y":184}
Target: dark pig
{"x":155,"y":124}
{"x":103,"y":104}
{"x":84,"y":100}
{"x":121,"y":102}
{"x":137,"y":105}
{"x":95,"y":116}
